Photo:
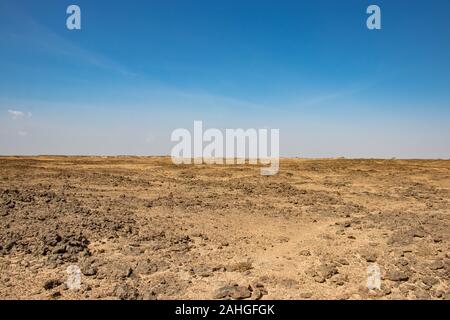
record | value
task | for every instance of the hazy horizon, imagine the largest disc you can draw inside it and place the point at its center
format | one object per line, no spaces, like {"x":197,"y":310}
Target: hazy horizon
{"x":138,"y":70}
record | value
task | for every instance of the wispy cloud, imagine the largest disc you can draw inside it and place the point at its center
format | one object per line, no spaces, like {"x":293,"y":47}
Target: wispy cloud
{"x":15,"y":114}
{"x":39,"y":36}
{"x":343,"y":93}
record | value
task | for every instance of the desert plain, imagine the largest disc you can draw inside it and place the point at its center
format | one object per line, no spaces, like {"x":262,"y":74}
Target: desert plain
{"x":144,"y":228}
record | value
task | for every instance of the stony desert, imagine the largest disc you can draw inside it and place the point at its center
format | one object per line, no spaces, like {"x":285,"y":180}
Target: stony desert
{"x":144,"y":228}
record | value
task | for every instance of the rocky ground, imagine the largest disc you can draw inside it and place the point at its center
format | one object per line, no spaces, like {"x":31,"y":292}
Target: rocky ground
{"x":143,"y":228}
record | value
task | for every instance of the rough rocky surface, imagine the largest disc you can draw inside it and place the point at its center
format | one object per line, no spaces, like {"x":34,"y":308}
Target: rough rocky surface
{"x":143,"y":228}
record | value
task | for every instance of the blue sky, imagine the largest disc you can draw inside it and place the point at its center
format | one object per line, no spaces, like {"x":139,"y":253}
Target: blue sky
{"x":137,"y":70}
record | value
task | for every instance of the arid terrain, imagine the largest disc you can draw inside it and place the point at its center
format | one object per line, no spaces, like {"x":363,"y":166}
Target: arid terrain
{"x":143,"y":228}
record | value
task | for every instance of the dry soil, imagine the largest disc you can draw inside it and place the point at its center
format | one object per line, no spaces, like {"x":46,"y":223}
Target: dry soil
{"x":143,"y":228}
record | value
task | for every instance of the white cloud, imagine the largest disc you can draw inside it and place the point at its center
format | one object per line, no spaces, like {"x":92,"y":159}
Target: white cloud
{"x":23,"y":133}
{"x":15,"y":114}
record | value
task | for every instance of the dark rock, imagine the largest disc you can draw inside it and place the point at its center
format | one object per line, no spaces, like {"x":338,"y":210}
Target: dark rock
{"x":202,"y":271}
{"x":305,"y":253}
{"x":339,"y":279}
{"x":369,"y":256}
{"x":319,"y":279}
{"x":436,"y":265}
{"x":402,"y":262}
{"x":89,"y":269}
{"x":241,"y":292}
{"x":257,"y":294}
{"x":240,"y":267}
{"x":306,"y":295}
{"x":146,"y":267}
{"x":126,"y":292}
{"x":122,"y":271}
{"x":430,"y":281}
{"x":327,"y":270}
{"x":342,"y":261}
{"x":421,"y":294}
{"x":400,"y":238}
{"x":418,"y":233}
{"x":238,"y":292}
{"x":52,"y":283}
{"x":9,"y":245}
{"x":386,"y":290}
{"x":395,"y":275}
{"x":52,"y":239}
{"x":223,"y":292}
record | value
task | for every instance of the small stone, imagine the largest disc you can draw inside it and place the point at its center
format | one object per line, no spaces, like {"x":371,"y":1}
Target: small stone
{"x":306,"y":295}
{"x":395,"y":275}
{"x":375,"y":293}
{"x":223,"y":292}
{"x":257,"y":294}
{"x":319,"y":279}
{"x":439,"y":294}
{"x":342,"y":261}
{"x":126,"y":292}
{"x":146,"y":267}
{"x":386,"y":290}
{"x":202,"y":271}
{"x":241,"y":292}
{"x":240,"y":267}
{"x":327,"y":270}
{"x":402,"y":262}
{"x":88,"y":269}
{"x":305,"y":253}
{"x":237,"y":292}
{"x":51,"y":284}
{"x":418,"y":233}
{"x":369,"y":256}
{"x":340,"y":279}
{"x":436,"y":265}
{"x":282,"y":239}
{"x":421,"y":294}
{"x":123,"y":271}
{"x":430,"y":281}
